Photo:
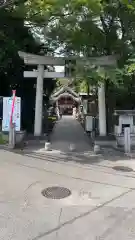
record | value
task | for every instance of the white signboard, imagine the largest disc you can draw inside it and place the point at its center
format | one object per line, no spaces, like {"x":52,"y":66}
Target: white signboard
{"x":89,"y":123}
{"x":7,"y":106}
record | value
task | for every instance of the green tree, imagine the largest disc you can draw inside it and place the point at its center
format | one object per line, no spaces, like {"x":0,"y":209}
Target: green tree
{"x":15,"y":36}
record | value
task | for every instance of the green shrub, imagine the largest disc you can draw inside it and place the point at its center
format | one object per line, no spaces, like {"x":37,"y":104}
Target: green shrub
{"x":3,"y":139}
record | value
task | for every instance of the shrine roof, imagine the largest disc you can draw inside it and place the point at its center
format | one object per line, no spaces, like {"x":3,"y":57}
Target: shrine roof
{"x":66,"y":95}
{"x":65,"y":90}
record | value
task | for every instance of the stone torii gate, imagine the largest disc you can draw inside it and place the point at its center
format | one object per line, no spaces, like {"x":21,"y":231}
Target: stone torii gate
{"x":40,"y":74}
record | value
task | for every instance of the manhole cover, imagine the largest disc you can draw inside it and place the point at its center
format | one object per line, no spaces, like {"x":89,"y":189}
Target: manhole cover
{"x":56,"y":192}
{"x":123,"y":168}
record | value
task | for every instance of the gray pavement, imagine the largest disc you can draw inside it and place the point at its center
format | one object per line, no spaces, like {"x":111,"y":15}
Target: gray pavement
{"x":68,"y":132}
{"x":101,"y":205}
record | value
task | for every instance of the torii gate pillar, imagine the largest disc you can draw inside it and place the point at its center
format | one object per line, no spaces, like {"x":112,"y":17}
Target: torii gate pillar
{"x":102,"y":109}
{"x":39,"y":102}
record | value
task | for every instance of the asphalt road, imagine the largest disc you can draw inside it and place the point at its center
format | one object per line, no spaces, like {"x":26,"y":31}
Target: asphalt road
{"x":101,"y":204}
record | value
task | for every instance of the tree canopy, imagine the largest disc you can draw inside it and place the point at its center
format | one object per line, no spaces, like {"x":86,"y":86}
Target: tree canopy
{"x":87,"y":27}
{"x":15,"y":35}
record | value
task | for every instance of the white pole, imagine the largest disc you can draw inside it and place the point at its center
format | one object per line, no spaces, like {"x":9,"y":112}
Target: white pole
{"x":102,"y":109}
{"x":127,"y":140}
{"x":39,"y":102}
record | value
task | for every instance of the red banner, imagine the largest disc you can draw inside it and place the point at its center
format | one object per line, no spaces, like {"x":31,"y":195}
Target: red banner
{"x":13,"y":105}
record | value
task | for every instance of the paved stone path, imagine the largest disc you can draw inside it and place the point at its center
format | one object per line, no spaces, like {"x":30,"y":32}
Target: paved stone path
{"x":68,"y":133}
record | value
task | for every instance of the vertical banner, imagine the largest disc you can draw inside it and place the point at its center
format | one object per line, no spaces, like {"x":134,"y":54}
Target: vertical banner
{"x":13,"y":106}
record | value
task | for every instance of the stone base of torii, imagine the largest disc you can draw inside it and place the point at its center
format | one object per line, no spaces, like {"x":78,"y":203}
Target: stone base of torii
{"x":40,"y":74}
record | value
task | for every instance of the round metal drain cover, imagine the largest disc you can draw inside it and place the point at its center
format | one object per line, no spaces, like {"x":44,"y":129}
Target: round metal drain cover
{"x":56,"y":192}
{"x":123,"y":168}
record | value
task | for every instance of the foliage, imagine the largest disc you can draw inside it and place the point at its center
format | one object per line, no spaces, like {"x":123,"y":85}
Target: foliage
{"x":15,"y":36}
{"x":3,"y":139}
{"x":87,"y":28}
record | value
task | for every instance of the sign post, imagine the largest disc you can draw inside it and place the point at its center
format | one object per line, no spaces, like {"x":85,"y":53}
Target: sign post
{"x":127,"y":140}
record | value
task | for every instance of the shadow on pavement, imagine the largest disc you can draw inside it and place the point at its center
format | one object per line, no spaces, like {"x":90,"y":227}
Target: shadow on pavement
{"x":84,"y":158}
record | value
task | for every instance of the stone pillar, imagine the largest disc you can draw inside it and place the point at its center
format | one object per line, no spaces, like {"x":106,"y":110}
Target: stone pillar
{"x":39,"y":102}
{"x":102,"y":109}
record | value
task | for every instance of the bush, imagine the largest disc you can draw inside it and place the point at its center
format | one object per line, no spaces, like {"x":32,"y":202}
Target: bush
{"x":3,"y":139}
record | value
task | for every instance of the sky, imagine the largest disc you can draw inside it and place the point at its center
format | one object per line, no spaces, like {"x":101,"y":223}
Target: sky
{"x":59,"y":68}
